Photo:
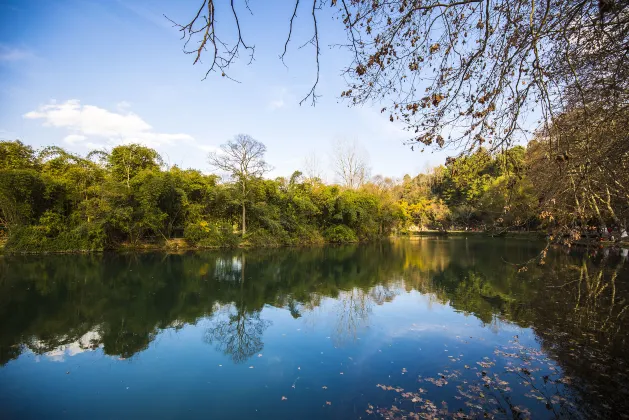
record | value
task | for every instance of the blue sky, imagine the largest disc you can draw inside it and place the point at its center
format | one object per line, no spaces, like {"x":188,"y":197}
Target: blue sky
{"x":86,"y":74}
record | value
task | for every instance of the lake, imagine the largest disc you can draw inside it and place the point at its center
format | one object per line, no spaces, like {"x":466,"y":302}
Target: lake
{"x":425,"y":327}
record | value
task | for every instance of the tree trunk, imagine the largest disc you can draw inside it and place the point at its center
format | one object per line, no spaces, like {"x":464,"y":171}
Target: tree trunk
{"x":244,"y":229}
{"x":244,"y":194}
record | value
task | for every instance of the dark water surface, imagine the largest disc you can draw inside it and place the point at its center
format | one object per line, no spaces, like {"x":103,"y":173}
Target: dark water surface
{"x":423,"y":328}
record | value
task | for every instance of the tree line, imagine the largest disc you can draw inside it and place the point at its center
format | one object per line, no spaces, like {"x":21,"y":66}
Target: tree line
{"x":54,"y":200}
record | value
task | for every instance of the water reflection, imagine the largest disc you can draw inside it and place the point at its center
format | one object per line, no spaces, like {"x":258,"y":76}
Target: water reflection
{"x":237,"y":334}
{"x":576,"y":303}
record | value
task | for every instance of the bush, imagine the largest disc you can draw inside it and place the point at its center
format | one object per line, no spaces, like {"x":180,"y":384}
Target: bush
{"x":340,"y":234}
{"x":262,"y":238}
{"x":308,"y":235}
{"x":85,"y":237}
{"x":211,"y":235}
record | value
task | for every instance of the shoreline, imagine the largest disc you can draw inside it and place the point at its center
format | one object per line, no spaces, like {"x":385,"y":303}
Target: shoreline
{"x":176,"y":246}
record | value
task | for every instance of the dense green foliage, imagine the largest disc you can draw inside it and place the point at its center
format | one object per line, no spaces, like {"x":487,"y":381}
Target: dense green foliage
{"x":52,"y":200}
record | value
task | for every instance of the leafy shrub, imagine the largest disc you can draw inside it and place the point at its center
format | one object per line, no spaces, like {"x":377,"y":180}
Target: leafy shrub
{"x":340,"y":234}
{"x":85,"y":237}
{"x":211,"y":235}
{"x":262,"y":238}
{"x":308,"y":235}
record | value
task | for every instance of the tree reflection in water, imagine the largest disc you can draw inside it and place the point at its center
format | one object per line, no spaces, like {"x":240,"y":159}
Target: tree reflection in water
{"x":576,"y":303}
{"x":239,"y":335}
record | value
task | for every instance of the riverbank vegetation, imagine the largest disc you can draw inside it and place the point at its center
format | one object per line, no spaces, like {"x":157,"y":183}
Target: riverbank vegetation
{"x":54,"y":200}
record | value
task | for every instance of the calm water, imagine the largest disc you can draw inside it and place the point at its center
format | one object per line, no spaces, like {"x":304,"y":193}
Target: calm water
{"x":408,"y":328}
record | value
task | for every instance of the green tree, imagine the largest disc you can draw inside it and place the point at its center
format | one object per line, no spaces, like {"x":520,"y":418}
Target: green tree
{"x":17,"y":155}
{"x":243,"y":159}
{"x":125,"y":162}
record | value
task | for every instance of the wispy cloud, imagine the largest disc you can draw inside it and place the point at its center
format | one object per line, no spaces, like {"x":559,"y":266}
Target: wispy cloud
{"x":11,"y":54}
{"x":74,"y":138}
{"x":123,"y":105}
{"x":279,"y":99}
{"x":209,"y":148}
{"x":276,"y":104}
{"x":147,"y":14}
{"x":89,"y":121}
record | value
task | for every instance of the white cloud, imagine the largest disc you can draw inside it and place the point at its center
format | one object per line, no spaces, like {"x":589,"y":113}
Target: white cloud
{"x":91,"y":121}
{"x":13,"y":54}
{"x":208,"y":148}
{"x":279,"y":96}
{"x":74,"y":138}
{"x":87,"y":342}
{"x":276,"y":104}
{"x":123,"y":105}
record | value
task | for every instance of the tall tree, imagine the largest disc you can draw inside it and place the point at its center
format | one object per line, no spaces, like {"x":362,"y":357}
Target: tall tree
{"x":312,"y":167}
{"x":17,"y":155}
{"x":350,"y":163}
{"x":243,"y":159}
{"x":127,"y":161}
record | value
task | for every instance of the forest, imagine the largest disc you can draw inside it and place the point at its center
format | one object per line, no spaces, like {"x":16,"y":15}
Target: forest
{"x":54,"y":200}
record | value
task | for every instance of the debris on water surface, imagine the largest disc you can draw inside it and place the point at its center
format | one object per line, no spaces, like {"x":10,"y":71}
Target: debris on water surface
{"x":284,"y":398}
{"x":488,"y":394}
